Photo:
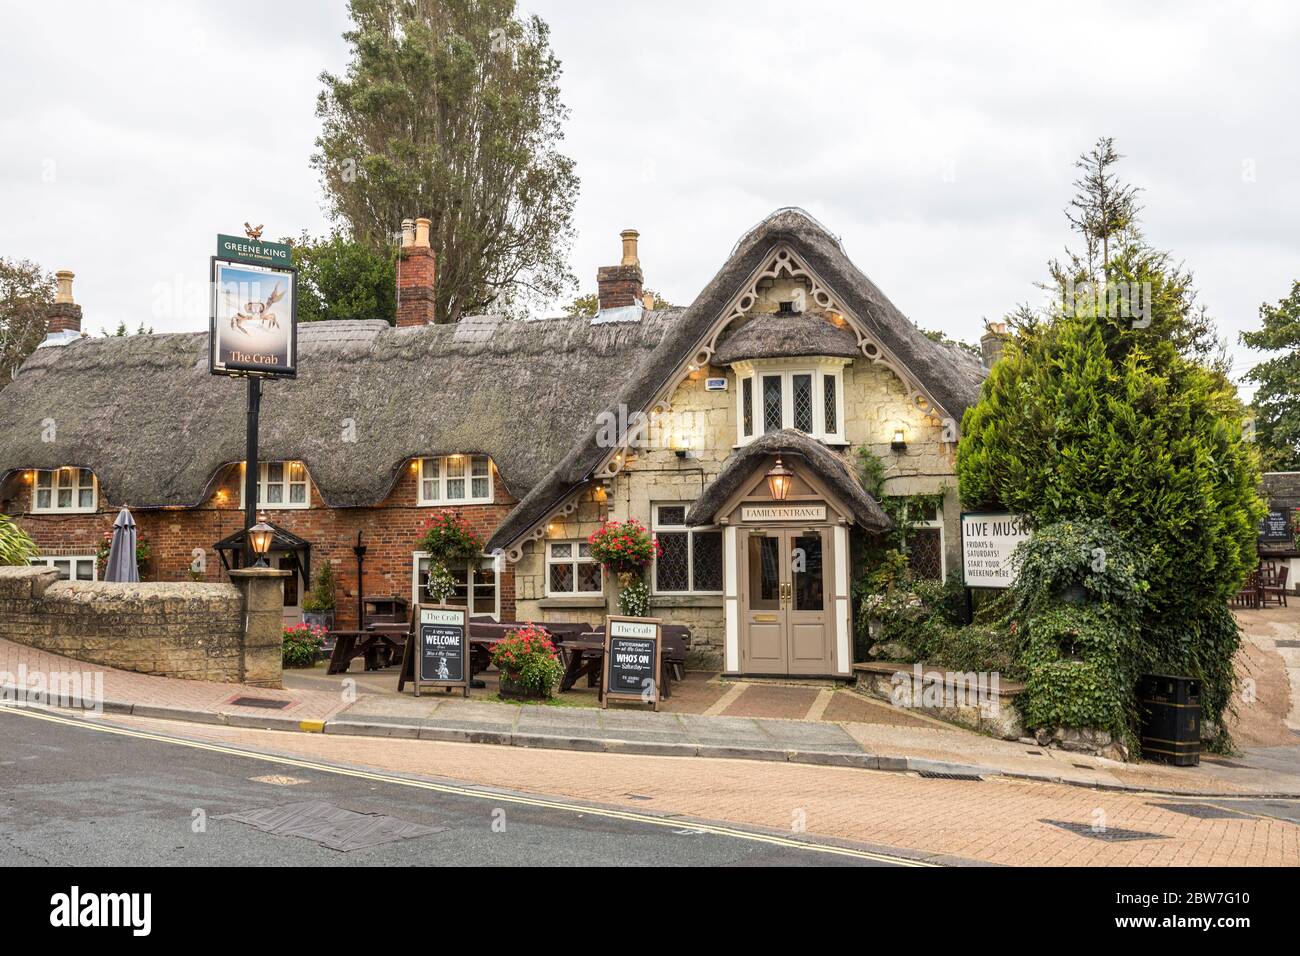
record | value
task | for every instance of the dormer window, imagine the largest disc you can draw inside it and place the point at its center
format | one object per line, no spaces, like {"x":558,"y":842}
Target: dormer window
{"x":456,"y":480}
{"x":65,"y":491}
{"x":281,"y":485}
{"x":806,"y":395}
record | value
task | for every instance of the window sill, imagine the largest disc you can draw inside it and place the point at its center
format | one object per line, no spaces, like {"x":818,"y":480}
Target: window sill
{"x":582,"y":600}
{"x":454,"y":504}
{"x":63,"y":511}
{"x":686,"y":600}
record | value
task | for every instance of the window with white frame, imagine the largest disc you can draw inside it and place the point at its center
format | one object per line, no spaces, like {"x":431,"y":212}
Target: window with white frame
{"x":570,"y":570}
{"x":478,"y":584}
{"x":456,"y":479}
{"x":281,"y":485}
{"x":79,"y":567}
{"x":776,"y":395}
{"x":68,"y":490}
{"x":691,"y":562}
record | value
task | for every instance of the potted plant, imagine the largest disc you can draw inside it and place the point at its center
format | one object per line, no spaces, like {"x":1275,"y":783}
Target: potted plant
{"x":318,"y":604}
{"x":529,"y":664}
{"x":302,"y":644}
{"x":625,"y":548}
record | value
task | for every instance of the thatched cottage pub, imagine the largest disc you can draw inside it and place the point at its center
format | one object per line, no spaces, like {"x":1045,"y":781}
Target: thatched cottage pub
{"x":536,"y":432}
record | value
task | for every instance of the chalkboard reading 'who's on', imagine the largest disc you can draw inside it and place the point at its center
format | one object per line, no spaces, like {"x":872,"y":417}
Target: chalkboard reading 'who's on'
{"x":632,"y":649}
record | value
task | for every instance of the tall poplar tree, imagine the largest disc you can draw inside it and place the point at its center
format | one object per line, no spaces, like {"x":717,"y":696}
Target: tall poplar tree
{"x":451,"y":110}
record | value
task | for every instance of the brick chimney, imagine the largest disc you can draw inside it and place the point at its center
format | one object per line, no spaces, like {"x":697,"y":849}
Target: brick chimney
{"x":64,"y":314}
{"x":991,"y":343}
{"x":415,"y":275}
{"x":620,"y":285}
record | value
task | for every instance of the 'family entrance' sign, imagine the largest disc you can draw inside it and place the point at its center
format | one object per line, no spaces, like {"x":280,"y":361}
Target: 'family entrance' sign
{"x":988,"y":540}
{"x":632,"y":649}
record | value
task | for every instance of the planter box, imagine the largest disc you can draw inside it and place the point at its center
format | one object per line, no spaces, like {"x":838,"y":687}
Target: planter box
{"x":511,"y":688}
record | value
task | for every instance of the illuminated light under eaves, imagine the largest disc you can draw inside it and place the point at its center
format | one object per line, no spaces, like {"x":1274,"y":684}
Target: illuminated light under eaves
{"x":779,"y":480}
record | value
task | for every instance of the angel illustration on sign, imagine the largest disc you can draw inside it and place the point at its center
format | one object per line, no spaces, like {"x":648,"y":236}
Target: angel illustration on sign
{"x":255,"y":311}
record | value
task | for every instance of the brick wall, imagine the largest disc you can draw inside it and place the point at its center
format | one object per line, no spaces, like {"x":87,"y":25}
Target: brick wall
{"x":390,"y":532}
{"x":193,"y":631}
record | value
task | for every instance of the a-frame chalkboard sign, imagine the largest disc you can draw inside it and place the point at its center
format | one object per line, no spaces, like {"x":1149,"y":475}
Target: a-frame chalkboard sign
{"x":437,"y":653}
{"x":633,"y":660}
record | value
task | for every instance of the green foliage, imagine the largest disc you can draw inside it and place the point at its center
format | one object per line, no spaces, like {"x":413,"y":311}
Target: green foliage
{"x":320,"y":598}
{"x":342,"y":279}
{"x":451,"y":109}
{"x":302,"y":644}
{"x":16,"y":548}
{"x":26,"y":292}
{"x":904,"y":510}
{"x":448,"y":537}
{"x":1277,"y":400}
{"x":1085,"y":554}
{"x":1080,"y":668}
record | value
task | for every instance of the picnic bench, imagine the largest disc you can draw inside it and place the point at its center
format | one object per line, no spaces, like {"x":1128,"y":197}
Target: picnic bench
{"x":1266,"y":582}
{"x":585,"y":657}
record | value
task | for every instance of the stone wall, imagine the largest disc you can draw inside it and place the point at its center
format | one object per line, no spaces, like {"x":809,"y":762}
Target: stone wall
{"x":193,"y":631}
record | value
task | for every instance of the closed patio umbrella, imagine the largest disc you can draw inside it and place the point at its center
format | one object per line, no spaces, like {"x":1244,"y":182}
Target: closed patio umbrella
{"x":122,"y":566}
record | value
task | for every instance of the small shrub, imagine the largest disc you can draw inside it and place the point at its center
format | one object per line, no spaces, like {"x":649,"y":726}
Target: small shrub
{"x":302,"y":644}
{"x":320,"y":599}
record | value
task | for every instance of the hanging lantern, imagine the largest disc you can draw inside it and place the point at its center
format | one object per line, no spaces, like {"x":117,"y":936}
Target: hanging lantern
{"x":779,"y":480}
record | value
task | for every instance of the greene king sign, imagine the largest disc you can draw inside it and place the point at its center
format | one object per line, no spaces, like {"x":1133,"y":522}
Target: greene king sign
{"x":988,"y":540}
{"x":254,"y":323}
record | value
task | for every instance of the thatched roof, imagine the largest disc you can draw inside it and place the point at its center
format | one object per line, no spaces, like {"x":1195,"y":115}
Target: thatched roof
{"x":146,"y":416}
{"x":951,"y":376}
{"x":795,"y":448}
{"x":779,"y":335}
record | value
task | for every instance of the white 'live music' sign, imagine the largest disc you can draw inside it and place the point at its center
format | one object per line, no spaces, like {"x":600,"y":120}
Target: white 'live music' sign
{"x":987,"y":542}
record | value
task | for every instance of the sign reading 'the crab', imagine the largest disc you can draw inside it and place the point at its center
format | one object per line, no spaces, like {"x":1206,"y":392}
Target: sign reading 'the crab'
{"x":254,"y":326}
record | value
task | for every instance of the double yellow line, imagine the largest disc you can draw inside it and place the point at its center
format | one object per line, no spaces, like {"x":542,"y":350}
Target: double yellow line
{"x":479,"y":794}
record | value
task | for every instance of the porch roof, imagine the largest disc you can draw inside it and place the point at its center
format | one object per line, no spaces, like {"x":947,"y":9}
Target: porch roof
{"x":831,"y":468}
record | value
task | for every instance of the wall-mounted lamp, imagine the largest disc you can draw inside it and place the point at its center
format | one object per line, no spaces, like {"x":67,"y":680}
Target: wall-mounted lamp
{"x":779,"y":480}
{"x":900,"y":439}
{"x":683,"y":446}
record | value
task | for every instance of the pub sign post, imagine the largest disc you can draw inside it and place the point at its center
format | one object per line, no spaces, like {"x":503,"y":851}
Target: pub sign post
{"x":253,"y":332}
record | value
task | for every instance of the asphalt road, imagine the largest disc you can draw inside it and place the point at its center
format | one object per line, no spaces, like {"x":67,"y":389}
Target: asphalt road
{"x":77,"y":793}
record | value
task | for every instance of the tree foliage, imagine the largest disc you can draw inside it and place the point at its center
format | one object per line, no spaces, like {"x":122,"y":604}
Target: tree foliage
{"x":1277,"y":401}
{"x":1093,"y":414}
{"x":589,"y":304}
{"x":339,"y":278}
{"x":451,"y":109}
{"x":26,"y":292}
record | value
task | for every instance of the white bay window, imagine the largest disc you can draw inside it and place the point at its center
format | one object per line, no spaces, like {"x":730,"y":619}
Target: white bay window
{"x":806,"y":396}
{"x":456,"y":480}
{"x":66,"y":491}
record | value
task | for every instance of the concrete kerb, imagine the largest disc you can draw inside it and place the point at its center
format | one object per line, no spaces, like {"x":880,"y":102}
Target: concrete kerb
{"x":343,"y":726}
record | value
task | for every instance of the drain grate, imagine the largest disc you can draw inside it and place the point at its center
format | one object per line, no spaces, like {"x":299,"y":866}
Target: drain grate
{"x":264,"y":702}
{"x":1203,"y":811}
{"x":936,"y":775}
{"x":334,"y":827}
{"x":1107,"y":835}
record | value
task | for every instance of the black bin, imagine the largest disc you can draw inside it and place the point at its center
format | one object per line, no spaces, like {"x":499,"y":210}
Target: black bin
{"x":1171,"y":718}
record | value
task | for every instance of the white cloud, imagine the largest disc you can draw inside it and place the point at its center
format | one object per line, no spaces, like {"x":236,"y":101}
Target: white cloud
{"x":936,"y":139}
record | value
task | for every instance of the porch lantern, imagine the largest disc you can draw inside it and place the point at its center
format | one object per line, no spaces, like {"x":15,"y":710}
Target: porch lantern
{"x":259,"y":536}
{"x":779,"y":480}
{"x":900,"y":439}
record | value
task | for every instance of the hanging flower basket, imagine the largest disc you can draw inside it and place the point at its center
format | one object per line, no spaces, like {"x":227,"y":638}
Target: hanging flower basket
{"x":624,"y":547}
{"x":447,"y":538}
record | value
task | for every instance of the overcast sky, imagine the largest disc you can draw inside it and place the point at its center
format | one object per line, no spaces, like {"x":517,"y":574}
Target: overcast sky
{"x":936,"y":139}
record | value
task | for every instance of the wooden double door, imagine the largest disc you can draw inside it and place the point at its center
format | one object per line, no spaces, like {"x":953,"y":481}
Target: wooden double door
{"x":786,"y":624}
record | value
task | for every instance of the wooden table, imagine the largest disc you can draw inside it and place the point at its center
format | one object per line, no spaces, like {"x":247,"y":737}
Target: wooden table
{"x":586,"y":657}
{"x":381,"y":648}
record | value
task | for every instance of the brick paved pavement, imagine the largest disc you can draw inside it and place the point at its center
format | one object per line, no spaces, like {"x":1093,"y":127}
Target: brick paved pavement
{"x":995,"y":821}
